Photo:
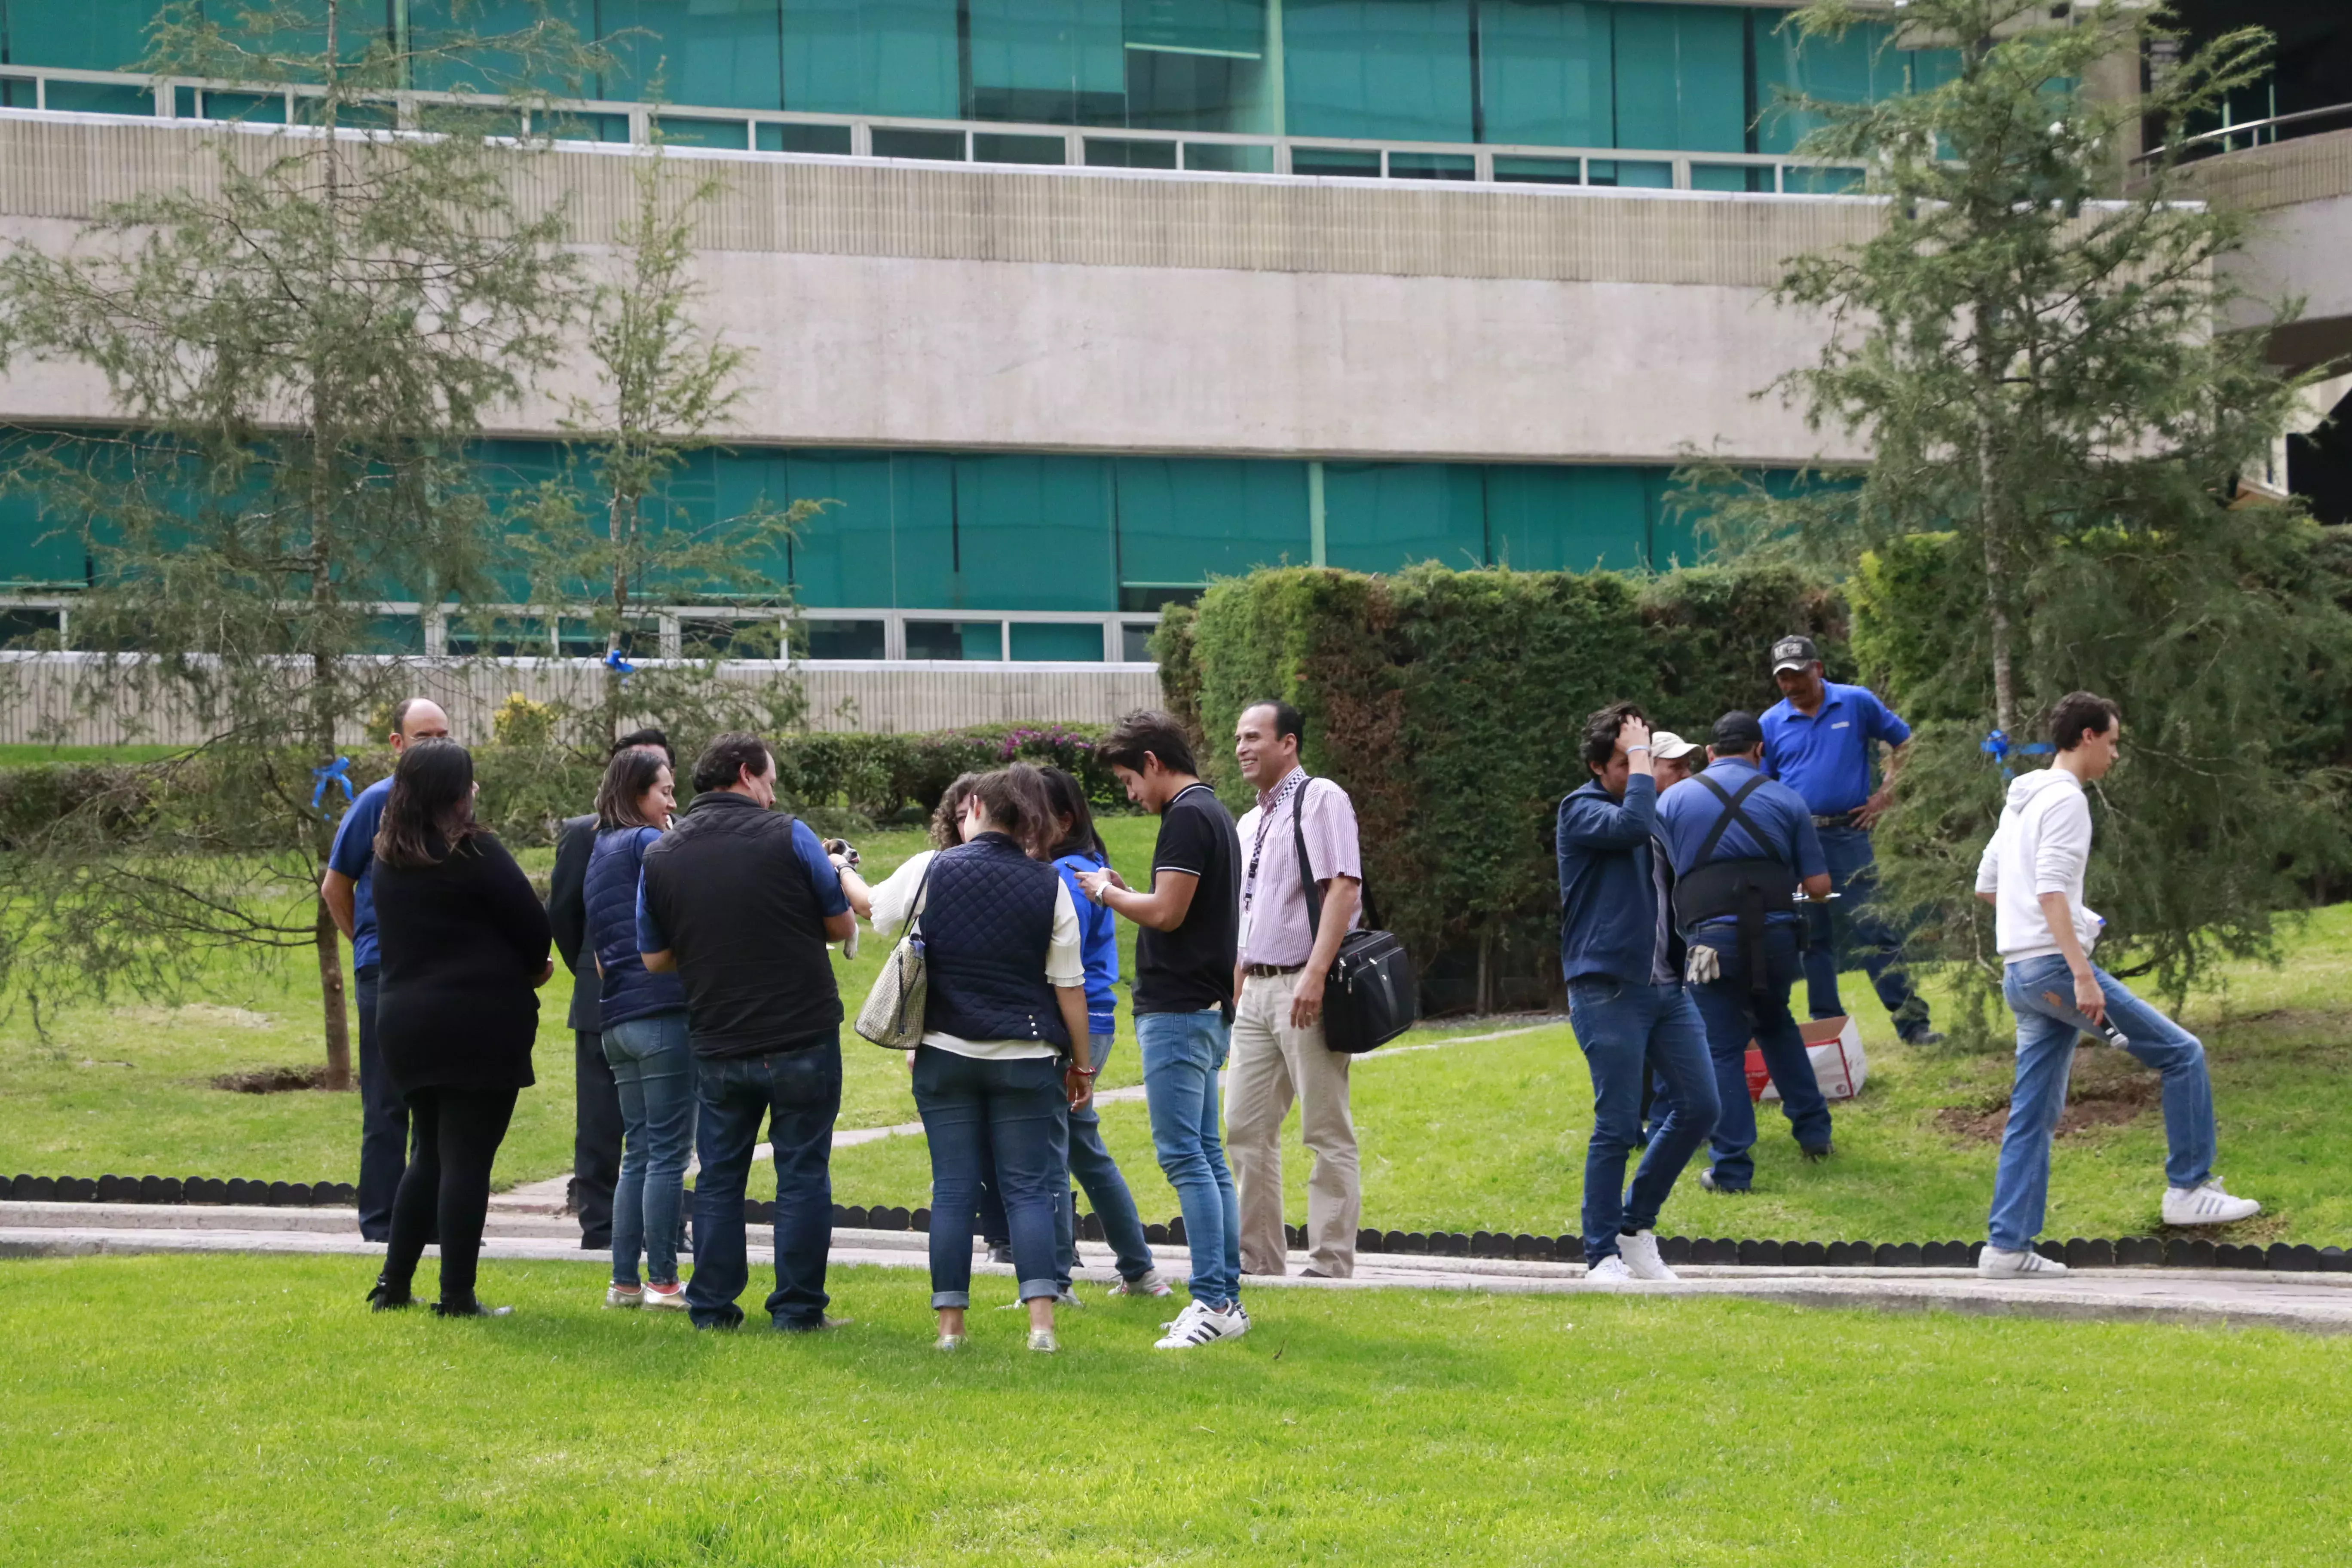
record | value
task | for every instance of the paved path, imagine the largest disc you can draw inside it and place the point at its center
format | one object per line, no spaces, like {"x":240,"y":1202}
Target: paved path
{"x":2320,"y":1303}
{"x":550,"y":1195}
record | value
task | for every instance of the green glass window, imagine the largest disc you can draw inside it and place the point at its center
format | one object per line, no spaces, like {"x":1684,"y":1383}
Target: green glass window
{"x":958,"y":641}
{"x":1184,"y":520}
{"x":1568,"y":519}
{"x":872,"y":57}
{"x":432,"y":22}
{"x":727,"y":54}
{"x":1197,"y":65}
{"x":1378,"y":517}
{"x":1682,"y":78}
{"x":1544,"y":73}
{"x":1857,"y":68}
{"x":845,"y":556}
{"x":1048,"y":62}
{"x":1068,"y":642}
{"x":87,"y":34}
{"x":1032,"y":533}
{"x":1367,"y":69}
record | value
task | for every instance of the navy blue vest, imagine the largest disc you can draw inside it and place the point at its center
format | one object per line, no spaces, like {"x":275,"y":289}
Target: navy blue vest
{"x":987,"y":922}
{"x":610,"y":893}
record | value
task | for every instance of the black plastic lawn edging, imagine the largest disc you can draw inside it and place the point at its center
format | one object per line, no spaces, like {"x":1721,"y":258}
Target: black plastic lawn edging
{"x":2141,"y":1251}
{"x":176,"y":1190}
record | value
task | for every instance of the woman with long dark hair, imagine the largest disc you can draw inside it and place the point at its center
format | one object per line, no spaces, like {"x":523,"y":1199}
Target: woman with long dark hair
{"x":645,"y":1036}
{"x":464,"y":949}
{"x":1003,"y":1056}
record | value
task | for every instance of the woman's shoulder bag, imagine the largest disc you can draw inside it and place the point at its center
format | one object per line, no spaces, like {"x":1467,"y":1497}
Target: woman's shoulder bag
{"x":892,"y":1016}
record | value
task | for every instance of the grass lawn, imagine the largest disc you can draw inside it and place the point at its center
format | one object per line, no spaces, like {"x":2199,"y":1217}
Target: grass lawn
{"x":233,"y":1411}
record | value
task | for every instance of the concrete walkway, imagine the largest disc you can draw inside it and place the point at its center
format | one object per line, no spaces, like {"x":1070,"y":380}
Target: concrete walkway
{"x":2311,"y":1303}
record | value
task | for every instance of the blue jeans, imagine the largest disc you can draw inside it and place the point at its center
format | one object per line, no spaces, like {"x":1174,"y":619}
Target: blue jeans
{"x":1106,"y":1190}
{"x":1735,"y":1014}
{"x":1181,"y":1053}
{"x":1011,"y":1119}
{"x":798,"y":1095}
{"x":2041,"y":992}
{"x":653,"y":1071}
{"x":1854,"y":924}
{"x":1626,"y":1032}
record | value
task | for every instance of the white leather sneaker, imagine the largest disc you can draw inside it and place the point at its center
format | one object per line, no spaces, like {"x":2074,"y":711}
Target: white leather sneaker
{"x":1640,"y":1251}
{"x":1995,"y":1264}
{"x":1609,"y":1272}
{"x":1197,"y":1325}
{"x":624,"y":1296}
{"x":665,"y":1297}
{"x":2208,"y":1205}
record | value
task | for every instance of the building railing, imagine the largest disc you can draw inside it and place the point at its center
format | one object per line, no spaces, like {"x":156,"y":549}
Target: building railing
{"x":2251,"y":133}
{"x":886,"y":137}
{"x":827,"y":636}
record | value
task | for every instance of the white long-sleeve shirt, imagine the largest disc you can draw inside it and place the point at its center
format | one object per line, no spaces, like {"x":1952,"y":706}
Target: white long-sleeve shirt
{"x":900,"y":898}
{"x":2041,"y":845}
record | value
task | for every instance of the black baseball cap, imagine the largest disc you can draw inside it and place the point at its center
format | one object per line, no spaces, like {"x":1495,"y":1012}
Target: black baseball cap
{"x":1794,"y":653}
{"x":1737,"y":731}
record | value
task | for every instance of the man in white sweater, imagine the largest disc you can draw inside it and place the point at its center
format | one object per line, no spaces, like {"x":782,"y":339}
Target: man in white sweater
{"x":2031,"y":874}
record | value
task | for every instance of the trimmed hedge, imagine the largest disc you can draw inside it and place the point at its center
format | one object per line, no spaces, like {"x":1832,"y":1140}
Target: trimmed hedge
{"x":1451,"y":705}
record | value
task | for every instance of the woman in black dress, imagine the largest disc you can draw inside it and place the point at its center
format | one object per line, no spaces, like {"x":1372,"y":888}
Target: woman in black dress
{"x":465,"y":948}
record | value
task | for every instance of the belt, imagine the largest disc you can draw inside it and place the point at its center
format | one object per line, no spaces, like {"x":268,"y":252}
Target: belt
{"x":1268,"y":971}
{"x":1835,"y":819}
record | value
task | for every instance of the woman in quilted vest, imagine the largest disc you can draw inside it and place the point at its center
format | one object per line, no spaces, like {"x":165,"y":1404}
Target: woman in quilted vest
{"x":1005,"y":1051}
{"x":645,"y":1036}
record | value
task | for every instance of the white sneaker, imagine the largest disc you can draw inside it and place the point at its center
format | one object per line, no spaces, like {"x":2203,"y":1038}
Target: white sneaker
{"x":1995,"y":1264}
{"x":1152,"y":1283}
{"x":1197,"y":1325}
{"x":666,"y":1297}
{"x":1640,"y":1251}
{"x":624,"y":1296}
{"x":1609,"y":1272}
{"x":2208,"y":1205}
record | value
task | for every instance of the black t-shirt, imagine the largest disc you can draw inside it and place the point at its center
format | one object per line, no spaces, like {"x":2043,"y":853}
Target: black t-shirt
{"x":1191,"y":968}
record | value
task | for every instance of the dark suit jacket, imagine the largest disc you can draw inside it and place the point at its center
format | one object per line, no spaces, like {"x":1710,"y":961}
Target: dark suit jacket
{"x":567,"y":911}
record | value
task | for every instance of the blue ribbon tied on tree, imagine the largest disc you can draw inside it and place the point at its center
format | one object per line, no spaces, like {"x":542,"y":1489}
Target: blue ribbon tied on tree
{"x":1998,"y":746}
{"x":338,"y":771}
{"x":619,"y":666}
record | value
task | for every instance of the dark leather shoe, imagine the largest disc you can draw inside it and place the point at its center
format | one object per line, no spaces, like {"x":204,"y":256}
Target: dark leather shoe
{"x":1816,"y":1156}
{"x":382,"y":1300}
{"x":470,"y":1310}
{"x":824,"y":1325}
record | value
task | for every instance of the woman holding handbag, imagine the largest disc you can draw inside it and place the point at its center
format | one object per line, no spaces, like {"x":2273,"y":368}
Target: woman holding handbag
{"x":1004,"y":1052}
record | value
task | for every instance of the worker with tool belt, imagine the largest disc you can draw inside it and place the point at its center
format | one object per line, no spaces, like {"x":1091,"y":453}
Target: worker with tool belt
{"x":1742,"y":844}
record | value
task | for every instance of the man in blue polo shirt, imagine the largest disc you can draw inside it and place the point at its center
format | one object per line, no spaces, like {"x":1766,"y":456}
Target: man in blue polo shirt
{"x":345,"y":889}
{"x":1742,"y":846}
{"x":1819,"y":740}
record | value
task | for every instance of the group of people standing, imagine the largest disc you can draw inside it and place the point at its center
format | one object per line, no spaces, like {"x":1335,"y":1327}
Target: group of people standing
{"x":705,"y":1009}
{"x":1692,"y":901}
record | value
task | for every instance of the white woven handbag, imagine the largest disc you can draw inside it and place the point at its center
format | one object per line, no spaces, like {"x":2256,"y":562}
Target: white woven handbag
{"x":893,"y":1015}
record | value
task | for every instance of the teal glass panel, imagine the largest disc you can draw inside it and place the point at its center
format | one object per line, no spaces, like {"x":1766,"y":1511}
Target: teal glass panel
{"x":1752,"y":177}
{"x":936,"y":146}
{"x":1228,"y":158}
{"x":923,"y":543}
{"x":956,"y":640}
{"x":1928,"y":69}
{"x":872,"y":57}
{"x":1107,"y":153}
{"x":1184,"y":520}
{"x":844,"y":558}
{"x":998,"y":147}
{"x":1857,"y":67}
{"x":1378,"y":517}
{"x":727,"y":54}
{"x":841,"y":639}
{"x":97,"y":98}
{"x":688,"y":132}
{"x":1568,"y":519}
{"x":1353,"y":162}
{"x":1682,"y":78}
{"x":775,"y":136}
{"x":38,"y":548}
{"x":1034,"y":534}
{"x":1170,"y":89}
{"x":1378,"y":69}
{"x":612,"y":128}
{"x":78,"y":34}
{"x":1674,"y":535}
{"x":394,"y":634}
{"x":1536,"y":171}
{"x":1431,"y":166}
{"x":1048,"y":62}
{"x":1067,"y":642}
{"x":1135,"y":641}
{"x":1826,"y":180}
{"x":1544,"y":74}
{"x":1630,"y":174}
{"x":545,"y":60}
{"x":23,"y":626}
{"x":1228,"y":27}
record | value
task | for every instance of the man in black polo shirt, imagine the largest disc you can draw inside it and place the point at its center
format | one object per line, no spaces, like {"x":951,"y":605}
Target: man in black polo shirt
{"x":1184,"y":1002}
{"x":740,"y":901}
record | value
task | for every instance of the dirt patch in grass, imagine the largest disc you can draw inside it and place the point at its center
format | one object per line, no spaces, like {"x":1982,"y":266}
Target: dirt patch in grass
{"x":271,"y":1081}
{"x":2106,"y":1088}
{"x":195,"y":1013}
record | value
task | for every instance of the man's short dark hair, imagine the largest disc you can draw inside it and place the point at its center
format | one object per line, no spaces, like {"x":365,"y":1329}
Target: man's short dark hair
{"x":1152,"y":731}
{"x":723,"y":761}
{"x":1601,"y":730}
{"x":647,"y":737}
{"x":1287,"y":719}
{"x":2081,"y":714}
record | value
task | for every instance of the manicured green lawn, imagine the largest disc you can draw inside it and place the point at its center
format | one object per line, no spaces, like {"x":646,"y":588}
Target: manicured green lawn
{"x":238,"y":1411}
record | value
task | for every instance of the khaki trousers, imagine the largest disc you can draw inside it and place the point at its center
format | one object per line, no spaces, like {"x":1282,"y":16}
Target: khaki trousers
{"x":1272,"y":1065}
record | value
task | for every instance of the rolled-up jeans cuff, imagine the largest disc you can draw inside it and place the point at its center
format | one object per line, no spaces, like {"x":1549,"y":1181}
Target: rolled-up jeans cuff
{"x":1032,"y":1289}
{"x":951,"y":1299}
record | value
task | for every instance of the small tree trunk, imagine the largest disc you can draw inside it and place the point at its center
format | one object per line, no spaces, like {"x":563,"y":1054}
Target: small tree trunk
{"x":619,"y":519}
{"x":1992,"y":513}
{"x":331,"y":994}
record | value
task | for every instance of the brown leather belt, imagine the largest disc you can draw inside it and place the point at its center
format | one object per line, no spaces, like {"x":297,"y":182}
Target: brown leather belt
{"x":1268,"y":971}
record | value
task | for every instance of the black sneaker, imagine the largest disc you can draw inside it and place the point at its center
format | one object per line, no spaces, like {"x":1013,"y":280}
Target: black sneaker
{"x":470,"y":1310}
{"x":1924,"y":1037}
{"x":382,"y":1300}
{"x":1815,"y":1156}
{"x":1000,"y":1252}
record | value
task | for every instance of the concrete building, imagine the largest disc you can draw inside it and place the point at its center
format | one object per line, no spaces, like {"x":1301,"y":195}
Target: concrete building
{"x":1072,"y":305}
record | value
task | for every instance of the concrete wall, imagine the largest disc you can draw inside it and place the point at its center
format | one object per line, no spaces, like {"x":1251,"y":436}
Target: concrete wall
{"x":2300,"y":194}
{"x":978,"y":308}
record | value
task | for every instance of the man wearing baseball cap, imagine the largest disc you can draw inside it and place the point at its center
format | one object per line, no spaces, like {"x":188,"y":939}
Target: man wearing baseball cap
{"x":1819,"y":740}
{"x":1675,"y":758}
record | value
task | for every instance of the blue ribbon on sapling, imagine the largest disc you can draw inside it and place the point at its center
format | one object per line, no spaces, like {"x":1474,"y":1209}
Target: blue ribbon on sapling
{"x":338,"y":771}
{"x":1998,"y":746}
{"x":614,"y":662}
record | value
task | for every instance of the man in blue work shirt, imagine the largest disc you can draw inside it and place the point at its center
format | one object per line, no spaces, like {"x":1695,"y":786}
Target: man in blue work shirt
{"x":345,"y":890}
{"x":1818,"y":740}
{"x":1742,"y":844}
{"x":1625,"y":997}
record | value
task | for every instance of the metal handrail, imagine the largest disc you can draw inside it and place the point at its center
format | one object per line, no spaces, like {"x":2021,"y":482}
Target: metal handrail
{"x":2230,"y":132}
{"x":644,"y":120}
